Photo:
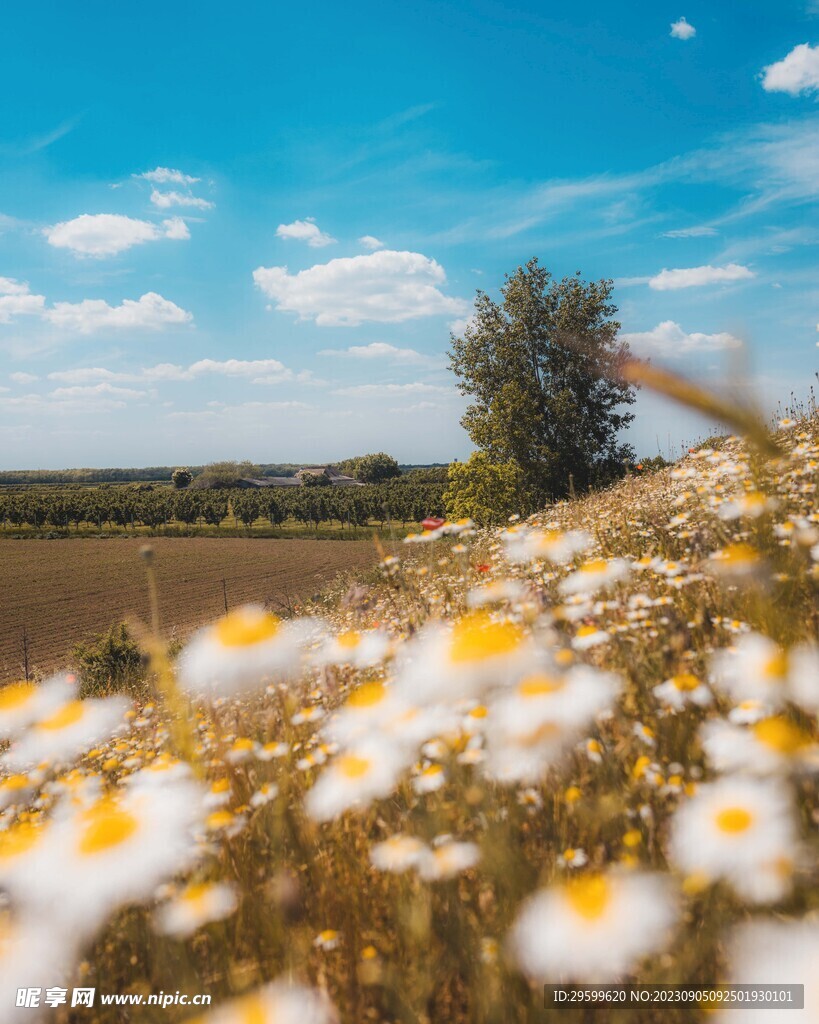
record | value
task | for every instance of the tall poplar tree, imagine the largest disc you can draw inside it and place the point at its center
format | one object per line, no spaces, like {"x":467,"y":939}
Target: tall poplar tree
{"x":542,"y":369}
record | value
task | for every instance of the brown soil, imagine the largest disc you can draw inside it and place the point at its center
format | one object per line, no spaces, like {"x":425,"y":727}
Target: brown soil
{"x":59,"y":592}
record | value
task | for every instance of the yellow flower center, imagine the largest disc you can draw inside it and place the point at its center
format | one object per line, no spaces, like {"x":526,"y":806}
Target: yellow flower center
{"x":734,"y":820}
{"x":253,"y":1011}
{"x":587,"y":631}
{"x":476,"y":637}
{"x":353,"y":767}
{"x":776,"y":667}
{"x":367,"y":696}
{"x":18,"y":840}
{"x":105,"y":826}
{"x":16,"y":782}
{"x":540,"y":685}
{"x":595,"y":565}
{"x":246,"y":627}
{"x":685,"y":682}
{"x":68,"y":715}
{"x":589,"y":897}
{"x":780,"y":735}
{"x":544,"y":732}
{"x":15,"y":695}
{"x":738,"y":555}
{"x":195,"y":895}
{"x":349,"y":640}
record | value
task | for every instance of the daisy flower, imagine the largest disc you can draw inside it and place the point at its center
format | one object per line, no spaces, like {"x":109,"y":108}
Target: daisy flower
{"x":740,"y":830}
{"x":768,"y":746}
{"x":527,"y":545}
{"x":593,"y":575}
{"x":447,"y":859}
{"x":430,"y":779}
{"x":756,"y":668}
{"x":355,"y":778}
{"x":751,"y":505}
{"x":573,"y":858}
{"x":476,"y":652}
{"x":22,"y":704}
{"x":397,"y":854}
{"x":682,"y":690}
{"x":264,"y":794}
{"x":775,"y":953}
{"x":361,"y":650}
{"x":195,"y":906}
{"x":63,"y":734}
{"x":535,"y":723}
{"x":242,"y":652}
{"x":594,"y":928}
{"x":736,"y":562}
{"x":281,"y":1002}
{"x":327,"y":940}
{"x":97,"y":858}
{"x":589,"y":636}
{"x":496,"y":593}
{"x":33,"y":954}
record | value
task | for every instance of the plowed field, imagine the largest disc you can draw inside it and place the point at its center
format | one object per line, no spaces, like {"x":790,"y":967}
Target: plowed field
{"x":56,"y":593}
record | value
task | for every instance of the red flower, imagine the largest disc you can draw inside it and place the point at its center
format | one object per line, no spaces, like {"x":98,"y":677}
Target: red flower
{"x":483,"y":567}
{"x":432,"y":523}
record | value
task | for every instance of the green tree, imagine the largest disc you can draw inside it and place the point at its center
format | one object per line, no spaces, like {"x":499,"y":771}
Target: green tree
{"x":181,"y":478}
{"x":542,"y":367}
{"x":484,"y":490}
{"x":374,"y":468}
{"x":316,"y":480}
{"x":218,"y":475}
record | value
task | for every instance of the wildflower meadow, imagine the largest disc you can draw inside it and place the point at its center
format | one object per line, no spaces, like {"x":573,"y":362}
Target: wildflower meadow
{"x":579,"y":748}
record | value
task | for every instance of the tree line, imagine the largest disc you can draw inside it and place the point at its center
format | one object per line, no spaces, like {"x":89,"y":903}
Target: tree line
{"x":401,"y":501}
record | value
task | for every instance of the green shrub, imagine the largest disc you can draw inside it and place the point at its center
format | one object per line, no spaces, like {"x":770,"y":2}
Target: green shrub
{"x":110,"y":662}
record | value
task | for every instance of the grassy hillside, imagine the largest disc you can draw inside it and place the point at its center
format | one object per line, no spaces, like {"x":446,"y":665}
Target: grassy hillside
{"x":582,"y":748}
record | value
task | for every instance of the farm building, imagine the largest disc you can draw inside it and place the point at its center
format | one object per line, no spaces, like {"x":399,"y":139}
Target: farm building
{"x":330,"y":472}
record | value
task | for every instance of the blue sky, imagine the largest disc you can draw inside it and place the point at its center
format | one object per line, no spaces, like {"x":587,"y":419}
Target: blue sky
{"x":246,"y":231}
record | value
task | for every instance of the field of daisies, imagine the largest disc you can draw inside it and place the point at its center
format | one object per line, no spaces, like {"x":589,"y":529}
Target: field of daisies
{"x":581,"y":748}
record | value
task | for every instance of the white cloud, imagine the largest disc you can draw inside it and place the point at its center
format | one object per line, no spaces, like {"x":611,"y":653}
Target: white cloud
{"x":379,"y":390}
{"x":385,"y":287}
{"x":457,"y":327}
{"x":19,"y":303}
{"x":8,"y":286}
{"x":377,"y":350}
{"x":305,"y":231}
{"x":237,"y":367}
{"x":681,"y":29}
{"x":699,"y":231}
{"x":23,"y":378}
{"x":97,"y":391}
{"x":150,"y":311}
{"x":797,"y":72}
{"x":164,"y":200}
{"x":88,"y":373}
{"x":176,"y":229}
{"x":416,"y":407}
{"x":173,"y":372}
{"x":689,"y":277}
{"x":166,"y":176}
{"x":669,"y":339}
{"x":106,"y":234}
{"x":371,"y":242}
